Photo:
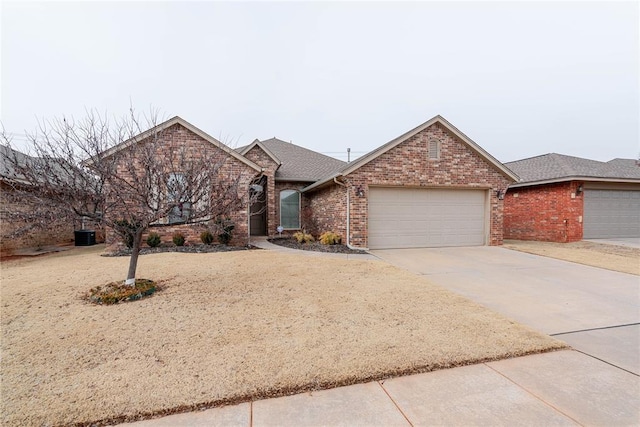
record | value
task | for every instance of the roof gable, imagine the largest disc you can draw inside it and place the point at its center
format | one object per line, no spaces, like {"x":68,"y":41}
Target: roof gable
{"x":256,"y":143}
{"x":179,"y":121}
{"x":554,"y":167}
{"x":437,"y":119}
{"x":372,"y":155}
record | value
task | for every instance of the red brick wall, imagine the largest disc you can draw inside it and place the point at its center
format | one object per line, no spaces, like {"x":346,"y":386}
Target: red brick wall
{"x":408,"y":165}
{"x":329,"y":213}
{"x":55,"y":232}
{"x":191,"y":233}
{"x":550,"y":213}
{"x":178,"y":138}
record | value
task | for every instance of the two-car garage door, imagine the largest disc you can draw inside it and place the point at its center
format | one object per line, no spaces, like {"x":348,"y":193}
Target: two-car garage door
{"x":611,"y":214}
{"x":414,"y":218}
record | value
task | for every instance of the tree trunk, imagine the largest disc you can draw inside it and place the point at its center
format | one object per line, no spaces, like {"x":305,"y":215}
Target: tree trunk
{"x":133,"y":261}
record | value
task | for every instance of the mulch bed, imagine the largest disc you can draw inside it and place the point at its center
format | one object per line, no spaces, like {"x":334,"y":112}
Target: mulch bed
{"x":291,"y":243}
{"x":192,"y":249}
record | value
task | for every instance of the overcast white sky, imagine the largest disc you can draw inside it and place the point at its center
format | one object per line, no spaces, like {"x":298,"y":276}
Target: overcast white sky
{"x":520,"y":79}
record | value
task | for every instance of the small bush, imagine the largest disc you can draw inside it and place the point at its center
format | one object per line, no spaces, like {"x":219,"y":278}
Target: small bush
{"x":116,"y":292}
{"x":206,"y":237}
{"x":303,"y":237}
{"x":153,"y":240}
{"x":330,"y":238}
{"x":178,"y":239}
{"x":225,"y":228}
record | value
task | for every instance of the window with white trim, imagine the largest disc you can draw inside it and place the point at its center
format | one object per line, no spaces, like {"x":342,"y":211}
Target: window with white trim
{"x":290,"y":209}
{"x":434,"y":149}
{"x":177,"y":195}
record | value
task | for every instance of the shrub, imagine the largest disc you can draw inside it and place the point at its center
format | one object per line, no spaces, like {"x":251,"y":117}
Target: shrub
{"x":126,"y":230}
{"x":225,"y":228}
{"x":153,"y":240}
{"x":303,"y":237}
{"x":330,"y":238}
{"x":178,"y":239}
{"x":206,"y":237}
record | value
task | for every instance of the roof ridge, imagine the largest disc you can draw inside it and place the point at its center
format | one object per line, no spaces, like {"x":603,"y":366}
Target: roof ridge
{"x":561,"y":161}
{"x":303,"y":148}
{"x":529,"y":158}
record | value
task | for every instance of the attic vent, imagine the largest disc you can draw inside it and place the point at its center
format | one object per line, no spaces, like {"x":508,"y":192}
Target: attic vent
{"x":434,"y":149}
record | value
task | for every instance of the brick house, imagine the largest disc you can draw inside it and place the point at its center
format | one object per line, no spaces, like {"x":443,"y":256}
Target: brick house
{"x":432,"y":186}
{"x":16,"y":232}
{"x":566,"y":199}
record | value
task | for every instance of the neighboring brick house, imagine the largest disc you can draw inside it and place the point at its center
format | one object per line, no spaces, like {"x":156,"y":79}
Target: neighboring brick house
{"x":16,"y":233}
{"x":566,"y":199}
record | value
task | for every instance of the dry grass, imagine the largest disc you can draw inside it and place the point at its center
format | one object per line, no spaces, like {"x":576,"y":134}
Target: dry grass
{"x":617,"y":258}
{"x":227,"y":327}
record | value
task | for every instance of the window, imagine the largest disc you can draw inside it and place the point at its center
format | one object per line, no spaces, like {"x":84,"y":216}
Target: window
{"x":177,"y":196}
{"x":434,"y":149}
{"x":290,"y":209}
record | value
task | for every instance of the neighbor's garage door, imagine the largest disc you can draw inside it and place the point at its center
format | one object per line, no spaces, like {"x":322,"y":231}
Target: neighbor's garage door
{"x":415,"y":218}
{"x":611,"y":213}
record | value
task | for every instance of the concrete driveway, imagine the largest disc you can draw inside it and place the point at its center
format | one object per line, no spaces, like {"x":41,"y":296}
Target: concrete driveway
{"x":595,"y":311}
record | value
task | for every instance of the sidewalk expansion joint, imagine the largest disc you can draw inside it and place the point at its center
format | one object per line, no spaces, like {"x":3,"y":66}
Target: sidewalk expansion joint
{"x":394,"y":402}
{"x":608,"y":363}
{"x":594,"y":329}
{"x":534,"y":395}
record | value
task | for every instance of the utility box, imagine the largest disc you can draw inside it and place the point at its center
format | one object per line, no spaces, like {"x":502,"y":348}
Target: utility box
{"x":85,"y":237}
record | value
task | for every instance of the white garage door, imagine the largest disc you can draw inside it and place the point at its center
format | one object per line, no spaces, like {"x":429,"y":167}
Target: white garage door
{"x":415,"y":218}
{"x":611,"y":213}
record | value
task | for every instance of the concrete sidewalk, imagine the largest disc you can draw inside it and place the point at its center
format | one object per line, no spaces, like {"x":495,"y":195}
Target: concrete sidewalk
{"x":262,"y":243}
{"x":560,"y":388}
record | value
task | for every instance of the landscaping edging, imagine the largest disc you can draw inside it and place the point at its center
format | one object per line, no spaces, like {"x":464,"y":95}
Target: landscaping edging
{"x":291,"y":243}
{"x":194,"y":249}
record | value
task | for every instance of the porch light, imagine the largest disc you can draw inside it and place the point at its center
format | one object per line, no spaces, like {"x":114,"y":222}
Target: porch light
{"x":500,"y":194}
{"x":579,"y":189}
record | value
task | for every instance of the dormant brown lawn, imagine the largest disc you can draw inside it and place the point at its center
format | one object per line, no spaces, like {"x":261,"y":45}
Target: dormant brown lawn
{"x":227,"y":327}
{"x":612,"y":257}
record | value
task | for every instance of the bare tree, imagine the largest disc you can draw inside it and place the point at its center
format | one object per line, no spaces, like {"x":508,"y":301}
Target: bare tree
{"x":123,"y":174}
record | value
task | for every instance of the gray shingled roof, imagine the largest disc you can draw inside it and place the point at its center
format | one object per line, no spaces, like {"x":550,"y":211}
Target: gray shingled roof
{"x":556,"y":167}
{"x":7,"y":158}
{"x":301,"y":164}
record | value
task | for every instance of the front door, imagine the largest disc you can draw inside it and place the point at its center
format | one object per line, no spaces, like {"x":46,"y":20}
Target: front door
{"x":258,"y":210}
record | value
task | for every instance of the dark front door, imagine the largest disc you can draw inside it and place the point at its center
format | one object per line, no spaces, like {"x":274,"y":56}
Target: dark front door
{"x":258,"y":211}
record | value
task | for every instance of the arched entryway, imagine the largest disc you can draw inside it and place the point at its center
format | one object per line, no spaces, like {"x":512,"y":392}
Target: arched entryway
{"x":258,"y":209}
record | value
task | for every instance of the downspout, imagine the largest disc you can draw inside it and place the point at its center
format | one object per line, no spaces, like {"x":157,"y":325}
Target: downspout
{"x":348,"y":244}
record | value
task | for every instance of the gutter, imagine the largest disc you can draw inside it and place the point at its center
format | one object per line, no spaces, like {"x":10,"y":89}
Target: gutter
{"x":322,"y":182}
{"x":573,"y":178}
